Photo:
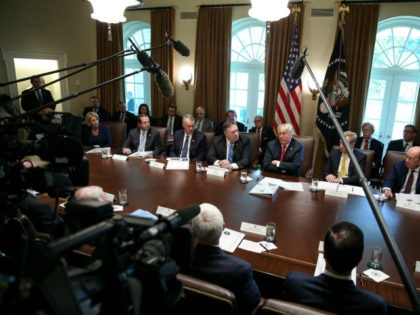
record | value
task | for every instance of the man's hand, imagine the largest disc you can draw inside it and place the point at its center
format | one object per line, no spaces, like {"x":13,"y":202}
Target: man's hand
{"x":225,"y":164}
{"x":332,"y":179}
{"x":388,"y":193}
{"x":126,"y":151}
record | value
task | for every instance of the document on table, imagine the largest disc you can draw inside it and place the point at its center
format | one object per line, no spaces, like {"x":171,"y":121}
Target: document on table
{"x":320,"y":267}
{"x":408,"y":201}
{"x":352,"y":190}
{"x":94,"y":150}
{"x":141,"y":154}
{"x":178,"y":164}
{"x":264,"y":188}
{"x":230,"y":240}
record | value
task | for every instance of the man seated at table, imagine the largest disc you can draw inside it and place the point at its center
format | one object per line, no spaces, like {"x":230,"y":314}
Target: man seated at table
{"x":232,"y":117}
{"x":123,"y":116}
{"x":189,"y":142}
{"x":230,"y":150}
{"x":334,"y":289}
{"x":408,"y":141}
{"x":211,"y":264}
{"x":203,"y":123}
{"x":404,"y":177}
{"x":284,"y":155}
{"x":339,"y":168}
{"x":142,"y":138}
{"x":265,"y":135}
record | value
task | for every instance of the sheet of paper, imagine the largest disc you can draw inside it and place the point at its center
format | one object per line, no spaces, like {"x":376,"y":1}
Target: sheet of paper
{"x":264,"y":188}
{"x":141,"y":154}
{"x":253,"y":228}
{"x":296,"y":186}
{"x":164,"y":212}
{"x":230,"y":240}
{"x":178,"y":164}
{"x":117,"y":208}
{"x":119,"y":157}
{"x":417,"y":269}
{"x":327,"y":186}
{"x":321,"y":264}
{"x":340,"y":194}
{"x":267,"y":245}
{"x":408,"y":201}
{"x":94,"y":151}
{"x":251,"y":246}
{"x":353,"y":190}
{"x":376,"y":275}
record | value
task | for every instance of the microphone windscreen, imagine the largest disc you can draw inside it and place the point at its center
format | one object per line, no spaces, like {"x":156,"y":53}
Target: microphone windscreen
{"x":181,"y":48}
{"x":297,"y":69}
{"x":164,"y":84}
{"x":188,"y":213}
{"x":145,"y":60}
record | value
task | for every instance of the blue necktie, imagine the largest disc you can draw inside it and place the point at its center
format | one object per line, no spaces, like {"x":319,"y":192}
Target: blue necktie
{"x":185,"y":148}
{"x":230,"y":155}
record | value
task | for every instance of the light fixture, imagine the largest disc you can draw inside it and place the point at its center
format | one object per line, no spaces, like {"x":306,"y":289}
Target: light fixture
{"x":269,"y":10}
{"x":187,"y":82}
{"x":314,"y":91}
{"x":110,"y":11}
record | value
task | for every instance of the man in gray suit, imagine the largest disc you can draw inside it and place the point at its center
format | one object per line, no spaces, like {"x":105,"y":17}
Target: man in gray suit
{"x":142,"y":138}
{"x":202,"y":123}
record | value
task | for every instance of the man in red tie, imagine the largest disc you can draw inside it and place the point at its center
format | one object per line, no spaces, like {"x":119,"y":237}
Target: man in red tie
{"x":404,"y":176}
{"x":284,"y":155}
{"x":265,"y":135}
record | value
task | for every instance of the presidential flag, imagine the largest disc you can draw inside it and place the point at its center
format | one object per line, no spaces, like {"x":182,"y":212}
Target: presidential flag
{"x":288,"y":105}
{"x":336,"y":90}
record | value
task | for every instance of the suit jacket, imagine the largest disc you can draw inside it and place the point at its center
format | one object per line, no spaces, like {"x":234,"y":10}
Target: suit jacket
{"x":130,"y":119}
{"x":241,"y":151}
{"x":378,"y":147}
{"x":197,"y":146}
{"x":398,"y":145}
{"x":207,"y":125}
{"x":219,"y":129}
{"x":177,"y":122}
{"x":396,"y":179}
{"x":331,"y":294}
{"x":292,"y":160}
{"x":30,"y":101}
{"x":267,"y":135}
{"x":152,"y":140}
{"x":334,"y":161}
{"x":102,"y":112}
{"x":211,"y":264}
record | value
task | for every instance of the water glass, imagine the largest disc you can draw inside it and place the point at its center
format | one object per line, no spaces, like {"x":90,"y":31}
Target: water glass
{"x":376,"y":258}
{"x":270,"y":232}
{"x":198,"y":166}
{"x":122,"y":197}
{"x":244,"y":177}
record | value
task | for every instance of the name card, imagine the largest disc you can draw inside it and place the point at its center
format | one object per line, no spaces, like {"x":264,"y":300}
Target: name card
{"x":417,"y":266}
{"x":341,"y":194}
{"x":253,"y":228}
{"x":216,"y":172}
{"x":119,"y":157}
{"x":157,"y":164}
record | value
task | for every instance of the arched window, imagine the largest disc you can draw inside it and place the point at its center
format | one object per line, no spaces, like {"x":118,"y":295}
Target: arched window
{"x":137,"y":87}
{"x":395,"y":77}
{"x":247,"y":69}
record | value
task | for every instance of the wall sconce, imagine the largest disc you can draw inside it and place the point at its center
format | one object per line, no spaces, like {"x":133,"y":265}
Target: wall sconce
{"x":187,"y":82}
{"x":314,"y":91}
{"x":111,"y":11}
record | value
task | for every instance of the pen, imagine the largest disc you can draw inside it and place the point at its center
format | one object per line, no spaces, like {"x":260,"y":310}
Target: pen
{"x":265,"y":248}
{"x":361,"y":279}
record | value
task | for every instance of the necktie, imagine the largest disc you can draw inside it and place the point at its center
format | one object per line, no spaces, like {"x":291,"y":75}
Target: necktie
{"x":122,"y":116}
{"x":142,"y":141}
{"x":170,"y":126}
{"x":343,"y":166}
{"x":185,"y":148}
{"x":198,"y":127}
{"x":366,"y":145}
{"x":259,"y":138}
{"x":39,"y":95}
{"x":406,"y":147}
{"x":230,"y":155}
{"x":409,"y":184}
{"x":283,"y":151}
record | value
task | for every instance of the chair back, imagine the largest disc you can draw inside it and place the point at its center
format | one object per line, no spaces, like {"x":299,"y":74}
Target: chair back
{"x":370,"y":154}
{"x":162,"y":134}
{"x":274,"y":306}
{"x":308,"y":153}
{"x":202,"y":297}
{"x":253,"y":138}
{"x":209,"y":140}
{"x":391,"y":157}
{"x":118,"y":133}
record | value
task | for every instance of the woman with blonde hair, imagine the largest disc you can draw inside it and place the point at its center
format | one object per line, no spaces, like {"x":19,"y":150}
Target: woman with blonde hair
{"x":94,"y":134}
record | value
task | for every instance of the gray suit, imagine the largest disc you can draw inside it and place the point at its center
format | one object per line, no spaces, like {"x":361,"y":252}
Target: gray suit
{"x":206,"y":125}
{"x":152,"y":140}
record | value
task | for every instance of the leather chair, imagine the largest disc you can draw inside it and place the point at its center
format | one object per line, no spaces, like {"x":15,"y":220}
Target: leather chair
{"x":253,"y":138}
{"x":308,"y":154}
{"x":274,"y":306}
{"x":391,"y":157}
{"x":162,"y":134}
{"x":202,"y":297}
{"x":118,"y":133}
{"x":209,"y":140}
{"x":370,"y":154}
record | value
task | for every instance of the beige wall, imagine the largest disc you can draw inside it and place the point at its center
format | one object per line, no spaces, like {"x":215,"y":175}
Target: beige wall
{"x":66,"y":26}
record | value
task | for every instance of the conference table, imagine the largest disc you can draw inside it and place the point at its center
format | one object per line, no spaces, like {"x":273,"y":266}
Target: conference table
{"x":302,"y":218}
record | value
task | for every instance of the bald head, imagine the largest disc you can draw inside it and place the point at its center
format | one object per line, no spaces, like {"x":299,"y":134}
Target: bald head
{"x":412,"y":157}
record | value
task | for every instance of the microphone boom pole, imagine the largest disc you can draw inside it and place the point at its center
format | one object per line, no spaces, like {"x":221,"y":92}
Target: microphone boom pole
{"x":389,"y":239}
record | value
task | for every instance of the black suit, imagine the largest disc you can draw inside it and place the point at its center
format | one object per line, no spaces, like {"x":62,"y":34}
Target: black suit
{"x":130,"y":119}
{"x":152,"y":141}
{"x":396,"y":179}
{"x":102,"y":112}
{"x":177,"y":122}
{"x":267,"y":135}
{"x":334,"y":162}
{"x":198,"y":145}
{"x":30,"y":101}
{"x":378,"y":147}
{"x":292,"y":160}
{"x":241,"y":151}
{"x":398,"y":145}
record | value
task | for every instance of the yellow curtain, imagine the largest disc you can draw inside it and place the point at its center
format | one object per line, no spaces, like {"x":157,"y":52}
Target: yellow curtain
{"x":212,"y":60}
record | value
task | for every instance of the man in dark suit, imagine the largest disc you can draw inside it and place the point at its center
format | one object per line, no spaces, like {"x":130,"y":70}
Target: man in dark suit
{"x":188,"y":142}
{"x":284,"y":155}
{"x":230,"y":150}
{"x":404,"y":174}
{"x":211,"y":264}
{"x":339,"y":168}
{"x":37,"y":96}
{"x":142,"y":138}
{"x":408,"y":141}
{"x":334,"y":290}
{"x":202,"y":123}
{"x":368,"y":143}
{"x":172,"y":122}
{"x":124,"y":116}
{"x":265,"y":135}
{"x":232,"y":117}
{"x":96,"y":107}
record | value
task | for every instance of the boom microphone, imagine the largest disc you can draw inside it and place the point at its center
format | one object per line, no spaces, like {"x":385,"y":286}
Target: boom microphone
{"x":164,"y":84}
{"x":298,"y":66}
{"x":175,"y":220}
{"x":178,"y":46}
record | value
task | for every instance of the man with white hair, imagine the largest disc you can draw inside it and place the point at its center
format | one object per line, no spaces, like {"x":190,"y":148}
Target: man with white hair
{"x":211,"y":264}
{"x":90,"y":193}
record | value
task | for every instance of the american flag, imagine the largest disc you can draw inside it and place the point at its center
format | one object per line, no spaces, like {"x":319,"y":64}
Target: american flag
{"x":289,"y":93}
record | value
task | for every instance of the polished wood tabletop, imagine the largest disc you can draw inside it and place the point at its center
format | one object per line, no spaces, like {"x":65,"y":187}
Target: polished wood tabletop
{"x":302,"y":218}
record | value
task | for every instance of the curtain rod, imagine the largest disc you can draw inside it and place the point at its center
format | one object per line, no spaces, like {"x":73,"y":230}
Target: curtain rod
{"x":238,"y":4}
{"x":376,"y":1}
{"x":150,"y":8}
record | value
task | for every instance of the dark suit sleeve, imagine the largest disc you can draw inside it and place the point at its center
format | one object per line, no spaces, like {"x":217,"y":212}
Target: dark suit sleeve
{"x":249,"y":294}
{"x":202,"y":147}
{"x":269,"y":157}
{"x":353,"y":178}
{"x":156,"y":143}
{"x":129,"y":141}
{"x":176,"y":146}
{"x":331,"y":167}
{"x":394,"y":178}
{"x":242,"y":153}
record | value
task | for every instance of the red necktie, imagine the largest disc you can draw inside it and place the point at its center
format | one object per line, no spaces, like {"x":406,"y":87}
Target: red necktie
{"x":409,"y":184}
{"x":366,"y":145}
{"x":259,"y":138}
{"x":283,"y":150}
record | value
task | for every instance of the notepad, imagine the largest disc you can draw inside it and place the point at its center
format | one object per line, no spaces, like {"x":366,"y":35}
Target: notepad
{"x":264,"y":188}
{"x":230,"y":240}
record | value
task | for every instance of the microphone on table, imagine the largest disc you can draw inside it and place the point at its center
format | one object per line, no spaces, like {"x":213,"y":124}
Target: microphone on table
{"x":298,"y":66}
{"x":178,"y":46}
{"x":175,"y":220}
